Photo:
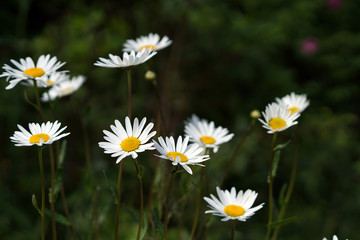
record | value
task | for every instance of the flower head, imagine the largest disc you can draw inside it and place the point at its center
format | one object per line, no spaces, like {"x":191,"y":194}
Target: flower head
{"x":180,"y":153}
{"x":151,"y":42}
{"x":233,"y":206}
{"x":128,"y":60}
{"x":278,"y":118}
{"x":52,"y":79}
{"x":64,"y":88}
{"x":46,"y":133}
{"x":205,"y":133}
{"x":294,"y":102}
{"x":128,"y":141}
{"x":26,"y":70}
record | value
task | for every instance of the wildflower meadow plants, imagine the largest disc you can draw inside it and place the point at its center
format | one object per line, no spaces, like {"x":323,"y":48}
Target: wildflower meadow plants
{"x":160,"y":211}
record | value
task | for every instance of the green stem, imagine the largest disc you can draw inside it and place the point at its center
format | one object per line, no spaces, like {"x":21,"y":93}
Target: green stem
{"x":118,"y":201}
{"x":268,"y":233}
{"x":141,"y":198}
{"x":52,"y":199}
{"x":166,"y":212}
{"x":233,"y":229}
{"x":197,"y":204}
{"x":38,"y":103}
{"x":129,"y":90}
{"x":41,"y":165}
{"x":289,"y":190}
{"x":237,"y":149}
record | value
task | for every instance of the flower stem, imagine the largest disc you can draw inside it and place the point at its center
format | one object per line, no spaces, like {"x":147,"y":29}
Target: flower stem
{"x":233,"y":230}
{"x":41,"y":165}
{"x":196,"y":217}
{"x":289,"y":190}
{"x":166,"y":212}
{"x":52,"y":199}
{"x":129,"y":90}
{"x":139,"y":175}
{"x":268,"y":233}
{"x":118,"y":201}
{"x":38,"y":103}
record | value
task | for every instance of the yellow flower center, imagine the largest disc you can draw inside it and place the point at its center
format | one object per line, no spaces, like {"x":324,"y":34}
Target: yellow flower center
{"x":66,"y":90}
{"x":293,"y":110}
{"x":277,"y":123}
{"x":234,"y":210}
{"x":207,"y":140}
{"x":34,"y":72}
{"x":183,"y":158}
{"x":152,"y":47}
{"x":36,"y":138}
{"x":130,"y":144}
{"x":49,"y":82}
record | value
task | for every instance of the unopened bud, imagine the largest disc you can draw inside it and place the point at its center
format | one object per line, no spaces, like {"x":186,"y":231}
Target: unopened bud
{"x":255,"y":114}
{"x":150,"y":75}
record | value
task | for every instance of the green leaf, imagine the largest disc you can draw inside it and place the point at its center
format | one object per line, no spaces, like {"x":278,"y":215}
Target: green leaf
{"x":58,"y":217}
{"x":34,"y":203}
{"x":144,"y":226}
{"x":282,"y":195}
{"x":158,"y":223}
{"x":62,"y":153}
{"x":281,"y":146}
{"x":283,"y":222}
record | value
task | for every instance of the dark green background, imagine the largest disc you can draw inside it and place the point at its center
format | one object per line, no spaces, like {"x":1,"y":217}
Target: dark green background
{"x":227,"y":58}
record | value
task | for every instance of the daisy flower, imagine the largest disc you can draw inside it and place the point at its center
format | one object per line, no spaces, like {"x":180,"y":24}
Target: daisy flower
{"x":180,"y":153}
{"x":334,"y":238}
{"x":128,"y":60}
{"x":46,"y":133}
{"x":128,"y":141}
{"x":64,"y":88}
{"x":278,"y":118}
{"x":152,"y":42}
{"x":231,"y":206}
{"x":205,"y":133}
{"x":26,"y":70}
{"x":294,"y":102}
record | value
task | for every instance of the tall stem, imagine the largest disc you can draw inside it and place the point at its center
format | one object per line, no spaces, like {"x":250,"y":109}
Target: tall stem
{"x":166,"y":212}
{"x":52,"y":199}
{"x":42,"y":193}
{"x":129,"y":90}
{"x":118,"y":201}
{"x":289,"y":190}
{"x":197,"y":204}
{"x":141,"y":198}
{"x":233,"y":229}
{"x":268,"y":233}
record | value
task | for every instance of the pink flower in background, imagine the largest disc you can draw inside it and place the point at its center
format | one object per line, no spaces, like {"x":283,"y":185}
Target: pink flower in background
{"x":334,"y":4}
{"x":309,"y":46}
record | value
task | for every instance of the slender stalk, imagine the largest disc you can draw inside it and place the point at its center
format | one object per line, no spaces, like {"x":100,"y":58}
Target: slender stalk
{"x":289,"y":190}
{"x":268,"y":232}
{"x":52,"y":199}
{"x":129,"y":90}
{"x":38,"y":103}
{"x":196,"y":215}
{"x":141,"y":198}
{"x":237,"y":149}
{"x":41,"y":165}
{"x":233,"y":229}
{"x":118,"y":201}
{"x":166,"y":212}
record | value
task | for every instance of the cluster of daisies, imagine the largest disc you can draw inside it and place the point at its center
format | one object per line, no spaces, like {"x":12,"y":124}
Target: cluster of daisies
{"x":44,"y":74}
{"x":130,"y":139}
{"x":281,"y":115}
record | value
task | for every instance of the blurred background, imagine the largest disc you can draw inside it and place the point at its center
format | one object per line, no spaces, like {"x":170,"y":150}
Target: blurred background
{"x":227,"y":58}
